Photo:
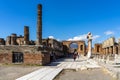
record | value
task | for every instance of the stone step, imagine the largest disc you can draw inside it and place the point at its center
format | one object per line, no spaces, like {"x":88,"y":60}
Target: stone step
{"x":47,"y":73}
{"x":26,"y":77}
{"x":53,"y":74}
{"x":42,"y":74}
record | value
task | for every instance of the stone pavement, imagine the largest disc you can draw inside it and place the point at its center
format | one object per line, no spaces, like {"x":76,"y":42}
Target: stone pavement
{"x":52,"y":70}
{"x":112,"y":68}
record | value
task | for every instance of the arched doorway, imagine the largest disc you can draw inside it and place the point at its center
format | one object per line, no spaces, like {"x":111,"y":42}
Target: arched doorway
{"x":73,"y":46}
{"x":78,"y":45}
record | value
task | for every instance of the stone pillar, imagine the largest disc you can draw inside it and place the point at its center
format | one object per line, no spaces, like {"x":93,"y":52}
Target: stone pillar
{"x":107,"y":51}
{"x":13,"y":39}
{"x":89,"y":37}
{"x":103,"y":51}
{"x":26,"y":35}
{"x":8,"y":40}
{"x":111,"y":50}
{"x":115,"y":49}
{"x":39,"y":25}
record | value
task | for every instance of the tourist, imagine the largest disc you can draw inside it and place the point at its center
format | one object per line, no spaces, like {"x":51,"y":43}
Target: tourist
{"x":54,"y":56}
{"x":75,"y":54}
{"x":51,"y":56}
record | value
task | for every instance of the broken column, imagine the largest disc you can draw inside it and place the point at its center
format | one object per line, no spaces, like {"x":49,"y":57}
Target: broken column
{"x":39,"y":25}
{"x":13,"y":39}
{"x":89,"y":37}
{"x":26,"y":35}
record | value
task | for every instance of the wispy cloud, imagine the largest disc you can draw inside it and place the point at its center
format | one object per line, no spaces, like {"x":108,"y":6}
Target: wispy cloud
{"x":82,"y":37}
{"x":109,"y":32}
{"x":95,"y":37}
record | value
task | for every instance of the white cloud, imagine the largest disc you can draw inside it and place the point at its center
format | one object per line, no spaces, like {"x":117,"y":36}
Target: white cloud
{"x":82,"y":37}
{"x":95,"y":37}
{"x":109,"y":33}
{"x":51,"y":37}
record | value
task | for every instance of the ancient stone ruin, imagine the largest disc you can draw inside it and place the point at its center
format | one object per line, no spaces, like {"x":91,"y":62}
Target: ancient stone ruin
{"x":20,"y":49}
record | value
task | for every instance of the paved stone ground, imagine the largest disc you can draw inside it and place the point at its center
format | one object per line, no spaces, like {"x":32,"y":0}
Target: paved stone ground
{"x":92,"y":74}
{"x":112,"y":68}
{"x":11,"y":72}
{"x":81,"y":65}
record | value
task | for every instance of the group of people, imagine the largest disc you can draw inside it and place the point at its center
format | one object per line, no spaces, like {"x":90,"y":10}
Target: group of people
{"x":75,"y":55}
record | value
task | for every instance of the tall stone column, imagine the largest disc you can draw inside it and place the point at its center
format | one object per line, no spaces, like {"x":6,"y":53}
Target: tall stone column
{"x":26,"y":35}
{"x":39,"y":25}
{"x":89,"y":37}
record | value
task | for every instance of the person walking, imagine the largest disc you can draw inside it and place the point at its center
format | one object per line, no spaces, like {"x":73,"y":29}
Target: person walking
{"x":75,"y":54}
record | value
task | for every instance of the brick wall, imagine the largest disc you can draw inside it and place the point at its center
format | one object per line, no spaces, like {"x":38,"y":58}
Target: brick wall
{"x":31,"y":54}
{"x":6,"y":58}
{"x":36,"y":58}
{"x":32,"y":58}
{"x":28,"y":58}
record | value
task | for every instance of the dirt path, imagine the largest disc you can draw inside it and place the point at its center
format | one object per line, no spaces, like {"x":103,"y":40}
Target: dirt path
{"x":94,"y":74}
{"x":11,"y":72}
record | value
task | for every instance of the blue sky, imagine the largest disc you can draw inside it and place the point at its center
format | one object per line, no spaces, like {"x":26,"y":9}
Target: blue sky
{"x":62,"y":19}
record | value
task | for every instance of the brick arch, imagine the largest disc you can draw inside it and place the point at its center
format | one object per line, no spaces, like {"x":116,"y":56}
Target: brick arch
{"x":72,"y":43}
{"x":79,"y":43}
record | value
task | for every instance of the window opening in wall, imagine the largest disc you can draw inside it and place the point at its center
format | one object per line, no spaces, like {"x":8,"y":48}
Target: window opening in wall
{"x":17,"y":57}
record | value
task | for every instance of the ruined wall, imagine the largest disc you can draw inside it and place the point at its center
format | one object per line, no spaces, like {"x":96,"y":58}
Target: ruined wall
{"x":31,"y":54}
{"x":20,"y":40}
{"x":8,"y":40}
{"x":36,"y":58}
{"x":13,"y":39}
{"x":6,"y":58}
{"x":2,"y":41}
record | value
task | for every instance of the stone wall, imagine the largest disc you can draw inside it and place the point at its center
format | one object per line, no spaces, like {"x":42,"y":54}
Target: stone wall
{"x":31,"y":54}
{"x":37,"y":58}
{"x":6,"y":58}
